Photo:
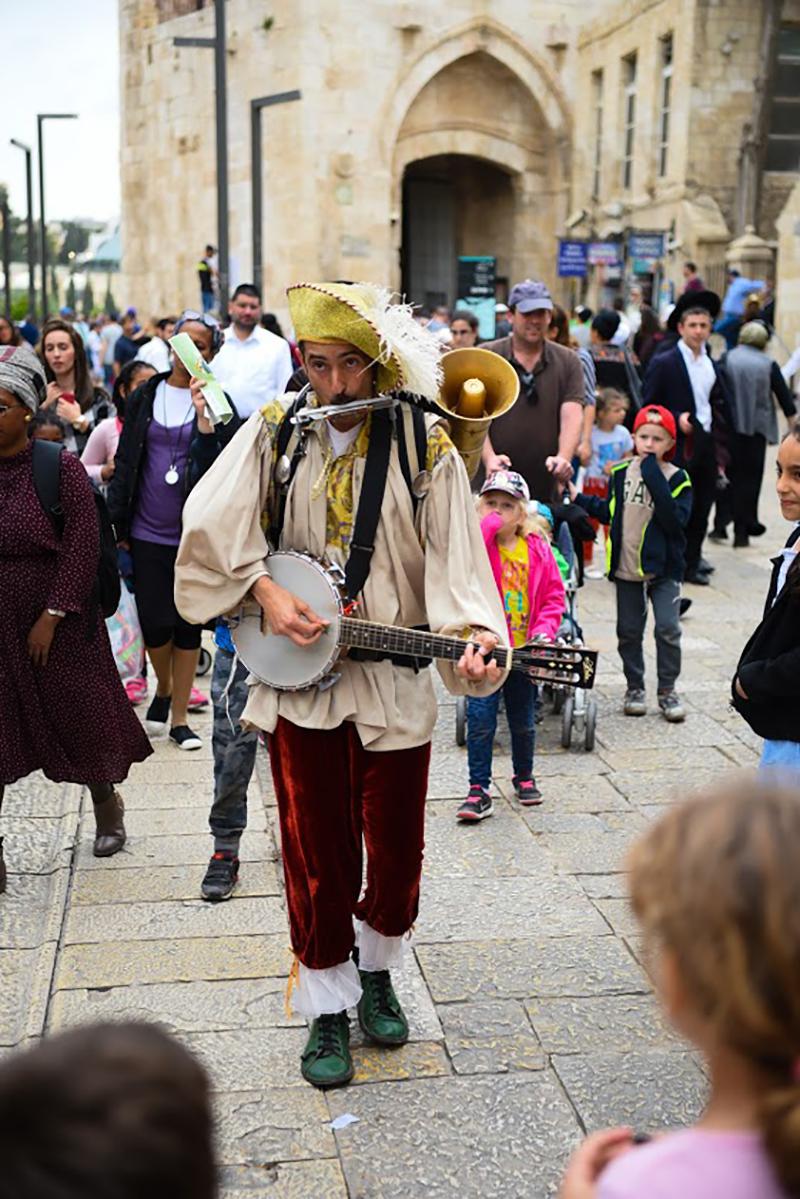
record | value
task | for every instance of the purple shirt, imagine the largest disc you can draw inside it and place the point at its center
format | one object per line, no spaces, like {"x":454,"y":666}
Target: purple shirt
{"x":694,"y":1164}
{"x":158,"y":505}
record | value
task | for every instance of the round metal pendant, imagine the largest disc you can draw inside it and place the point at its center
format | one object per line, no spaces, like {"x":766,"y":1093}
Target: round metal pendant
{"x":422,"y":484}
{"x":171,"y":476}
{"x":283,"y":470}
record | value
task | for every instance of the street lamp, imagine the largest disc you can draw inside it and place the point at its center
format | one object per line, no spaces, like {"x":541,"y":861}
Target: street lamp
{"x":31,"y":247}
{"x":255,"y":171}
{"x":217,"y":44}
{"x":40,"y":119}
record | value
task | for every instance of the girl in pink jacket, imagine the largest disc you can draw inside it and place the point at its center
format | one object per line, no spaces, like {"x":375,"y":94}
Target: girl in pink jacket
{"x":529,"y":582}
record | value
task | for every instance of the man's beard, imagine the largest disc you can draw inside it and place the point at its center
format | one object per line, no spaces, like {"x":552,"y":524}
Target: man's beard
{"x":245,"y":322}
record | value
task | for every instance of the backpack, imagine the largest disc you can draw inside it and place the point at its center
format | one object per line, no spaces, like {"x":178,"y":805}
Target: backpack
{"x":47,"y":482}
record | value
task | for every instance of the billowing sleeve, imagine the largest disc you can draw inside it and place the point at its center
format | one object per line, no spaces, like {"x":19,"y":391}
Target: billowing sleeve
{"x":460,"y":591}
{"x":80,"y":543}
{"x":223,"y":549}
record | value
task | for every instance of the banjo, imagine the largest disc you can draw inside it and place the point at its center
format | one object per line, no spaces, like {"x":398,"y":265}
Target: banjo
{"x":275,"y":660}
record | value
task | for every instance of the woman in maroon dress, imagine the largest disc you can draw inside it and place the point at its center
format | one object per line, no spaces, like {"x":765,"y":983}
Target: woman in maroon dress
{"x":63,"y":709}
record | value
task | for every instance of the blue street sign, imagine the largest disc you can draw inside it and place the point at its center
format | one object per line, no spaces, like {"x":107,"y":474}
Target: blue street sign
{"x":573,"y":262}
{"x":646,"y":245}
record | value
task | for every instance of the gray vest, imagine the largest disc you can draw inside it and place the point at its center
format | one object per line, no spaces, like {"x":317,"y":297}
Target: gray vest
{"x":748,"y":371}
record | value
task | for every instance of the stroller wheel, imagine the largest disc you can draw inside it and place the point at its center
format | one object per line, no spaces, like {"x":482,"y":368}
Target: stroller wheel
{"x":558,"y":700}
{"x":203,"y":662}
{"x":461,"y":720}
{"x":590,"y":724}
{"x":567,"y":719}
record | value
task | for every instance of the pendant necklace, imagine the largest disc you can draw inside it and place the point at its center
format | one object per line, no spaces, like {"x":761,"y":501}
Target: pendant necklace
{"x":171,"y":475}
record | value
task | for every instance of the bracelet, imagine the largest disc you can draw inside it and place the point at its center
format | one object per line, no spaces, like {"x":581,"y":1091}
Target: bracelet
{"x":55,"y":612}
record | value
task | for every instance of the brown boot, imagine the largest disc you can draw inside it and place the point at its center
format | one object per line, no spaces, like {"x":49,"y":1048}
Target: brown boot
{"x":2,"y":869}
{"x":110,"y":836}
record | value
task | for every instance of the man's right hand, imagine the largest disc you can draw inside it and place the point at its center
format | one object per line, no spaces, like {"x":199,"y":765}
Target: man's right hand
{"x":685,"y":423}
{"x":286,"y":614}
{"x":497,"y":462}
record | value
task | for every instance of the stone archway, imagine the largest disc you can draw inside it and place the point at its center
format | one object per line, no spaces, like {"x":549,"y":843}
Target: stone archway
{"x":504,"y":161}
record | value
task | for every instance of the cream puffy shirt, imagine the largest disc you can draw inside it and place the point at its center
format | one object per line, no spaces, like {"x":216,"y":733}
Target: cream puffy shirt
{"x":433,"y":570}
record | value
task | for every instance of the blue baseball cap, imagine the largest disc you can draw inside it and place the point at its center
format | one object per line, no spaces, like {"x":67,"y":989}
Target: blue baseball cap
{"x":530,"y":295}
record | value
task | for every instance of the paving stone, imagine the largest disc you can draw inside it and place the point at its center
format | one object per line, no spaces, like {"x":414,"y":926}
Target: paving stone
{"x":619,"y":915}
{"x":496,"y":848}
{"x":666,"y":786}
{"x":25,"y":976}
{"x":35,"y":845}
{"x":158,"y":822}
{"x":159,"y":883}
{"x":144,"y":796}
{"x":604,"y":886}
{"x":248,"y":1060}
{"x":654,"y":733}
{"x":745,"y":752}
{"x":456,"y":909}
{"x":564,"y":794}
{"x":420,"y":1059}
{"x":256,"y":1128}
{"x":568,"y":763}
{"x":180,"y":1007}
{"x":37,"y":796}
{"x":170,"y":851}
{"x":495,"y":1055}
{"x":32,"y":909}
{"x":181,"y":768}
{"x":124,"y":962}
{"x":547,"y":819}
{"x":610,"y":1022}
{"x":503,"y":969}
{"x":686,"y":760}
{"x":285,"y":1180}
{"x":384,"y":1154}
{"x":583,"y":853}
{"x":186,"y":918}
{"x":646,"y":1089}
{"x":413,"y":993}
{"x":494,"y":1018}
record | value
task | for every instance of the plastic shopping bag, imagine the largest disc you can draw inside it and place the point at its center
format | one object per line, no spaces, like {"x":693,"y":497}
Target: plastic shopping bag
{"x":125,"y":633}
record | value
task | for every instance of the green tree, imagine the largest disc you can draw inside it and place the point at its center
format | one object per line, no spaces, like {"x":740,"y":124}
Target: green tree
{"x":71,"y":296}
{"x":87,"y":299}
{"x":54,"y":292}
{"x":109,"y":306}
{"x":76,"y":240}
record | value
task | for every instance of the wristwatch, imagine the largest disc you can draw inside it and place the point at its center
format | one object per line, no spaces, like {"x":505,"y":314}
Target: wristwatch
{"x":55,"y":612}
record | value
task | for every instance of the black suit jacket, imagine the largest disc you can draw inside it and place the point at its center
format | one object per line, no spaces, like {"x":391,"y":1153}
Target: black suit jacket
{"x":667,"y":383}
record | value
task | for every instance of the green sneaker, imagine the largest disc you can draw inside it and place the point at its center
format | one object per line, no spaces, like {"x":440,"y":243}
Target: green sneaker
{"x":379,"y":1011}
{"x":326,"y":1060}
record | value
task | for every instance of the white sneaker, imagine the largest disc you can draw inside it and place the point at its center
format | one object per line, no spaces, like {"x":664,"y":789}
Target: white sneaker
{"x":594,"y":572}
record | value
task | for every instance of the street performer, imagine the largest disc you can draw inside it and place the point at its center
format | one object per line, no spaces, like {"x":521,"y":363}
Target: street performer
{"x":349,"y":761}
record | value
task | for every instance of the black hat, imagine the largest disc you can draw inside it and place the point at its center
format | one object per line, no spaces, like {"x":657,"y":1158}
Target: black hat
{"x":709,"y":300}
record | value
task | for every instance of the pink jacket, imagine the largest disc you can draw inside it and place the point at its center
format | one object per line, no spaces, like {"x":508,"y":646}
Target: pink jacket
{"x":101,"y":447}
{"x":545,"y":588}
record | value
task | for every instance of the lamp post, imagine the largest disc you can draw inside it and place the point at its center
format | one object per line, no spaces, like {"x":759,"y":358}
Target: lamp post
{"x":6,"y":210}
{"x":40,"y":119}
{"x":217,"y":44}
{"x":30,"y":241}
{"x":256,"y":194}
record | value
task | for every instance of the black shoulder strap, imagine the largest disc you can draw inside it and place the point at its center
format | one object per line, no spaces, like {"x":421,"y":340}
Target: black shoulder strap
{"x":286,"y":431}
{"x":370,"y":502}
{"x":47,"y":480}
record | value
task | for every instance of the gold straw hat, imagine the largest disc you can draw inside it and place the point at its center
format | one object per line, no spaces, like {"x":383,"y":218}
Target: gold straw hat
{"x":362,"y":314}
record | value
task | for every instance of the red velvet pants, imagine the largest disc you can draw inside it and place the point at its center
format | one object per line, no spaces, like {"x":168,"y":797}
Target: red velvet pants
{"x":331,"y":792}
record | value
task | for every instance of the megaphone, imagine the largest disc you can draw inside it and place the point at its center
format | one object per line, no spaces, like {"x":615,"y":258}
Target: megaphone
{"x":478,"y":386}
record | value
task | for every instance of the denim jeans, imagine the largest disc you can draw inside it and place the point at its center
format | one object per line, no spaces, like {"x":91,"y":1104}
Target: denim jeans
{"x":234,"y":753}
{"x":519,"y":694}
{"x":664,"y":595}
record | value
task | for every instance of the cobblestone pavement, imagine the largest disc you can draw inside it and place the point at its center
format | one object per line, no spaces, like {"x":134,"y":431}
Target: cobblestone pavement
{"x":529,"y":1007}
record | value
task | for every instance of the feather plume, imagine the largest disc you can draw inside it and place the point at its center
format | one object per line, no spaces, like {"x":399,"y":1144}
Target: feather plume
{"x":402,"y":339}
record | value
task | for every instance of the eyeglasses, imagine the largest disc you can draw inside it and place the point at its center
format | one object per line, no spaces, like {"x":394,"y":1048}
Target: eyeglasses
{"x":4,"y":408}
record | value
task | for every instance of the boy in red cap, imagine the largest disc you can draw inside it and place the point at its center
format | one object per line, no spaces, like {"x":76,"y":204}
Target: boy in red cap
{"x":648,"y":508}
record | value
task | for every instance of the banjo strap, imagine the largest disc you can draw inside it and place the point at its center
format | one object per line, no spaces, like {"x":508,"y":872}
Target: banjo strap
{"x":365,"y":526}
{"x":289,"y":443}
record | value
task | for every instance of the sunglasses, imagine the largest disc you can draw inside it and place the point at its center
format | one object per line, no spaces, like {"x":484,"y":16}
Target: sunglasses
{"x":210,"y":322}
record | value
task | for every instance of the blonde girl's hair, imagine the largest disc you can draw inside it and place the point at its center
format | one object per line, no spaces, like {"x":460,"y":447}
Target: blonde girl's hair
{"x":539,"y":525}
{"x":610,"y":395}
{"x":525,"y":525}
{"x":716,"y":882}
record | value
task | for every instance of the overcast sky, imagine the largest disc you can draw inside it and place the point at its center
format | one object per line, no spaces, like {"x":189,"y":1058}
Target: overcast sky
{"x":62,"y":56}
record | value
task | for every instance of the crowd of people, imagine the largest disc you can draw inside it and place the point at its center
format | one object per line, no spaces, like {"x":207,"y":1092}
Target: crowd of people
{"x":625,"y":432}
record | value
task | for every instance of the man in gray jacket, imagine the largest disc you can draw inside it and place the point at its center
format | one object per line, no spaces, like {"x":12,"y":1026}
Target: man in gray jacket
{"x":753,"y":379}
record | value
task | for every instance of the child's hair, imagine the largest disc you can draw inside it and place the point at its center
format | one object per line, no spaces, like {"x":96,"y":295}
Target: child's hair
{"x":110,"y":1110}
{"x":123,"y":383}
{"x":525,"y":525}
{"x":609,"y":395}
{"x":45,"y":419}
{"x":716,"y":882}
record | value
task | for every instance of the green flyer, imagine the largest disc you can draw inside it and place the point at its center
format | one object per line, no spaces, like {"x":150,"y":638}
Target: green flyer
{"x":220,"y":411}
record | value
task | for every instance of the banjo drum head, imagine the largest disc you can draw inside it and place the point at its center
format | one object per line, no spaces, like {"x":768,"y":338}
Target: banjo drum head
{"x":276,"y":660}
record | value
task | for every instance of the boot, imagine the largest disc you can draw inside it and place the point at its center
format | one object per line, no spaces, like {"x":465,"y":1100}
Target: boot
{"x":2,"y":869}
{"x":379,"y":1012}
{"x":110,"y":835}
{"x":326,"y":1060}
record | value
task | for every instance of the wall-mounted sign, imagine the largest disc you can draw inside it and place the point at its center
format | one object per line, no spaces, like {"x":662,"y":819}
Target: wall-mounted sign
{"x":476,"y":290}
{"x":572,"y":259}
{"x":605,"y":253}
{"x":646,"y":245}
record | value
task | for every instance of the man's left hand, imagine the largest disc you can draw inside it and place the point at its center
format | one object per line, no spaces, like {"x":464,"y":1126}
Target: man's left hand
{"x":560,"y":467}
{"x":472,"y":664}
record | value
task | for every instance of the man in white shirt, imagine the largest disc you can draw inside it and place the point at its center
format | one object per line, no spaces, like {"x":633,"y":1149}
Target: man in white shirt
{"x":685,"y":380}
{"x":156,"y":352}
{"x":253,"y":365}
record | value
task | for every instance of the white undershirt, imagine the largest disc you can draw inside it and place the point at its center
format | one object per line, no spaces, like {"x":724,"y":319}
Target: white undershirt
{"x":172,"y":405}
{"x":341,"y":441}
{"x":702,"y":377}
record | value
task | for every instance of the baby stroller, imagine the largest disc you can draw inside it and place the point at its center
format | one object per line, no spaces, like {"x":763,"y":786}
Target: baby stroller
{"x":577,"y":708}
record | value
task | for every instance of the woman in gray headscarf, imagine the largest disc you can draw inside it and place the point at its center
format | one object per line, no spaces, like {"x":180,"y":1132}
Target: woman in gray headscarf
{"x":63,"y":709}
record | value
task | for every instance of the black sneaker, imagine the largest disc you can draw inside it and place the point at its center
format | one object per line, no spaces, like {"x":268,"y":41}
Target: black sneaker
{"x":527,"y":791}
{"x":671,"y":707}
{"x":477,"y":805}
{"x":221,"y":877}
{"x":158,"y":714}
{"x":184,"y":738}
{"x":718,"y":535}
{"x":685,"y":605}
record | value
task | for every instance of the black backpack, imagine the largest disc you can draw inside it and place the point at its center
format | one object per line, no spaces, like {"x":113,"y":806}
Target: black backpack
{"x":47,"y":481}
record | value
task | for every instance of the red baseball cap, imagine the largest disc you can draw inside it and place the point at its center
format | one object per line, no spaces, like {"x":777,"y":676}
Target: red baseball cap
{"x":656,"y":415}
